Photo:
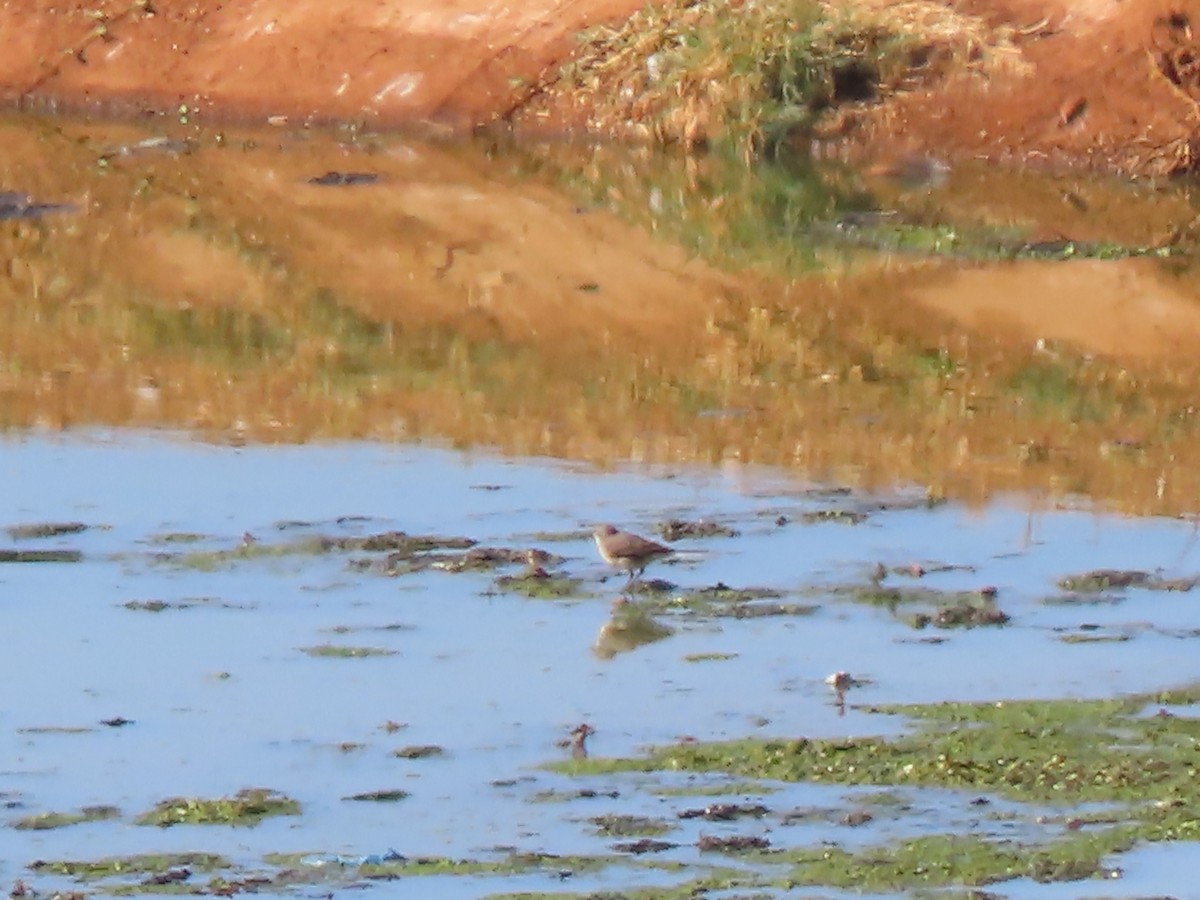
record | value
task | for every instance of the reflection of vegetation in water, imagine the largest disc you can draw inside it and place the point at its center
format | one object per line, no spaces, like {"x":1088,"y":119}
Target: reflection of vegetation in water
{"x":230,"y":315}
{"x":717,"y":207}
{"x":786,"y":215}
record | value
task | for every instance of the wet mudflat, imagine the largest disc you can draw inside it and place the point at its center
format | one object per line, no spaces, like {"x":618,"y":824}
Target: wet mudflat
{"x":303,"y":622}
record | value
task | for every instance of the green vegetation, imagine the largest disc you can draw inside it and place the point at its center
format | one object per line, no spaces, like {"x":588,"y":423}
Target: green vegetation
{"x":537,"y":584}
{"x":248,"y":807}
{"x":49,"y":820}
{"x":942,"y":609}
{"x":630,"y":826}
{"x":38,"y":530}
{"x":143,"y":864}
{"x":340,"y":652}
{"x":695,"y":71}
{"x":1141,"y":769}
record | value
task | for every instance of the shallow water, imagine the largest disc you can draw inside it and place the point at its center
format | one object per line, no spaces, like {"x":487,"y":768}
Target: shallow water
{"x":222,"y":696}
{"x":556,"y":303}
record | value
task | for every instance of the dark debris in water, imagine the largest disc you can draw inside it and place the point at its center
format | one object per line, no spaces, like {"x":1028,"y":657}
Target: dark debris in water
{"x":423,"y":553}
{"x":725,"y":812}
{"x":343,"y":179}
{"x":965,"y":613}
{"x":15,"y":205}
{"x":678,"y":529}
{"x":13,"y":555}
{"x":840,"y":516}
{"x":419,"y":751}
{"x":38,"y":530}
{"x":651,"y":587}
{"x":732,"y":844}
{"x":644,"y":845}
{"x":383,"y":796}
{"x":950,"y":609}
{"x":158,"y":606}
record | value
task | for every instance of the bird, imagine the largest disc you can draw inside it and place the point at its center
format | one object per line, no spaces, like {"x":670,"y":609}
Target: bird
{"x":626,"y":551}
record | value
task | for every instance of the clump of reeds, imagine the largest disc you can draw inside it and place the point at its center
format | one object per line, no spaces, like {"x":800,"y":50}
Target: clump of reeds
{"x":751,"y":72}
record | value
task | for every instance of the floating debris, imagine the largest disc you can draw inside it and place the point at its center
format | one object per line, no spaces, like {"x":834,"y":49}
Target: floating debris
{"x":158,"y":144}
{"x":725,"y":812}
{"x":343,"y":179}
{"x":390,"y":796}
{"x":38,"y":530}
{"x":40,"y":556}
{"x":735,"y":844}
{"x":644,"y":845}
{"x":419,"y":751}
{"x":14,"y":205}
{"x":677,"y":529}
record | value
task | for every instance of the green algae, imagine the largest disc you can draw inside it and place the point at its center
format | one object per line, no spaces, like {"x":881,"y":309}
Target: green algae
{"x":50,"y":820}
{"x":724,"y":789}
{"x":1104,"y":580}
{"x":400,"y":547}
{"x":140,"y":864}
{"x":941,"y":609}
{"x":1070,"y":753}
{"x":537,"y":584}
{"x":614,"y":825}
{"x":398,"y":866}
{"x":248,"y":807}
{"x":343,"y":652}
{"x":935,"y":861}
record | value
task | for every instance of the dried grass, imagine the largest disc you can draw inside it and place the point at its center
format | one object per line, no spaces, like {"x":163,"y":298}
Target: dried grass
{"x":748,"y":72}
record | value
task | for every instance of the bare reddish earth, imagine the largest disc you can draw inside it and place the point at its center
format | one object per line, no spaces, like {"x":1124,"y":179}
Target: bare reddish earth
{"x":1106,"y":83}
{"x":1110,"y":84}
{"x":455,"y":62}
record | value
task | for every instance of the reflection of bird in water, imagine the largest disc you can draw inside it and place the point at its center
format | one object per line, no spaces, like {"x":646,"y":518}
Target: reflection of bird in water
{"x":629,"y":627}
{"x":576,"y":741}
{"x":628,"y":552}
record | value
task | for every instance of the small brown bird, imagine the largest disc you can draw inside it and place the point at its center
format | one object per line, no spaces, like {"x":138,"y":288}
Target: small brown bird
{"x":626,"y":551}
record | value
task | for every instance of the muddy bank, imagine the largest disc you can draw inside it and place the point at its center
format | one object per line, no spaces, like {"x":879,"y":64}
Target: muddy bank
{"x":1102,"y":84}
{"x":453,"y":63}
